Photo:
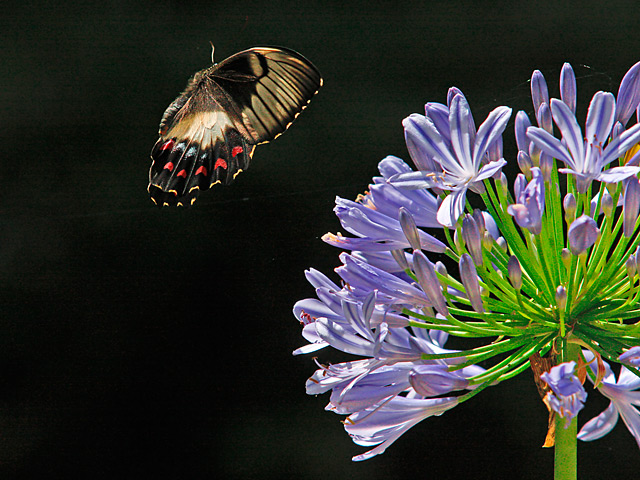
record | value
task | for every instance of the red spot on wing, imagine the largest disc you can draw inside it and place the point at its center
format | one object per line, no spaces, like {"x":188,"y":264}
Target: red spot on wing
{"x":202,"y":171}
{"x":169,"y":166}
{"x":220,"y":163}
{"x":236,"y":151}
{"x":167,"y":145}
{"x":182,"y":173}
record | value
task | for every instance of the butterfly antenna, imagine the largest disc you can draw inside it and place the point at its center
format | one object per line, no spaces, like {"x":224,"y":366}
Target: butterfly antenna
{"x":213,"y":48}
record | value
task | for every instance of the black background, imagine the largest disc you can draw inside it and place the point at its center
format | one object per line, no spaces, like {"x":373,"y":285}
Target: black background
{"x":145,"y":343}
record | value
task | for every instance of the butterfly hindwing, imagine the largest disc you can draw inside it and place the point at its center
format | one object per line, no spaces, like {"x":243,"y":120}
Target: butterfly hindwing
{"x":208,"y":134}
{"x":205,"y":150}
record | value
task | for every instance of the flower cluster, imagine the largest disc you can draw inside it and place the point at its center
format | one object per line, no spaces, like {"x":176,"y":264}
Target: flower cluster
{"x":549,"y":268}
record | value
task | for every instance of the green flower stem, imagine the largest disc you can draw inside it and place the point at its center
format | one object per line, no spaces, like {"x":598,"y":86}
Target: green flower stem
{"x":566,"y":447}
{"x":565,"y":457}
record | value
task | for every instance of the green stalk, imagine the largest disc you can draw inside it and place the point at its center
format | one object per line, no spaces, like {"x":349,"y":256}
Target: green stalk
{"x":566,"y":447}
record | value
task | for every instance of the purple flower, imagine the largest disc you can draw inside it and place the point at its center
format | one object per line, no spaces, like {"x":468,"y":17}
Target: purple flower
{"x":567,"y":395}
{"x":631,"y":357}
{"x":452,"y":154}
{"x":625,"y":400}
{"x":587,"y":155}
{"x":383,"y":424}
{"x":377,"y":231}
{"x":583,"y":233}
{"x":530,"y":207}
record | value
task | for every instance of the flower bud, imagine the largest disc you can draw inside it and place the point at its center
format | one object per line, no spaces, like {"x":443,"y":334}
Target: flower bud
{"x":525,"y":163}
{"x":515,"y":272}
{"x":400,"y":257}
{"x":471,"y":235}
{"x":565,"y":255}
{"x":479,"y":218}
{"x":522,"y":123}
{"x":561,"y":297}
{"x":469,"y":278}
{"x":583,"y":233}
{"x":568,"y":90}
{"x":607,"y":203}
{"x":487,"y":241}
{"x":631,"y":206}
{"x":502,"y":243}
{"x":631,"y":266}
{"x":544,"y":118}
{"x":428,"y":280}
{"x":501,"y":180}
{"x":546,"y":166}
{"x":409,"y":228}
{"x":441,"y":269}
{"x":570,"y":206}
{"x":539,"y":92}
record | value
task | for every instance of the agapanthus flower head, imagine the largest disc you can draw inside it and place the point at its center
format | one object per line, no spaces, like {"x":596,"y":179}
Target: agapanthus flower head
{"x":547,"y":267}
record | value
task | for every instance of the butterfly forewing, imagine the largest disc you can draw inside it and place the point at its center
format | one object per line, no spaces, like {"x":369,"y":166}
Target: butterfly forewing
{"x":207,"y":135}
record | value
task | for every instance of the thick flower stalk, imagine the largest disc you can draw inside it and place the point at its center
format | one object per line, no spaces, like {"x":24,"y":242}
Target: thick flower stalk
{"x":545,"y":275}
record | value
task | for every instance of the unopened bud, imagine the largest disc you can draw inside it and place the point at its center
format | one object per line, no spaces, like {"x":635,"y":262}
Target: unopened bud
{"x":561,"y":297}
{"x":471,"y":235}
{"x":569,"y":204}
{"x":469,"y":278}
{"x":409,"y":228}
{"x":400,"y":257}
{"x":607,"y":203}
{"x":525,"y":163}
{"x":515,"y":272}
{"x":631,"y":266}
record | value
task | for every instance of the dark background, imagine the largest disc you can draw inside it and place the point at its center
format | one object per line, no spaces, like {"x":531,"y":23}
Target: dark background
{"x":145,"y":343}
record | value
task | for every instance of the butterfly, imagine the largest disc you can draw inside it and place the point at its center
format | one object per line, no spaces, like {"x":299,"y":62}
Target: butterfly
{"x":209,"y":133}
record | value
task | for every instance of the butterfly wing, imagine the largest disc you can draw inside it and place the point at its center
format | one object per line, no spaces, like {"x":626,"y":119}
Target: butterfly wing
{"x":269,"y":86}
{"x":208,"y":134}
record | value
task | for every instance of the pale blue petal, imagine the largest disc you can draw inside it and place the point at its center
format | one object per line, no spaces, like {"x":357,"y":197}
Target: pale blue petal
{"x":452,"y":207}
{"x":488,"y":132}
{"x":619,"y":146}
{"x":490,"y":169}
{"x":599,"y":426}
{"x":600,"y":118}
{"x":414,"y":180}
{"x":460,"y":137}
{"x":416,"y":140}
{"x":551,"y":145}
{"x":628,"y":94}
{"x":617,"y":174}
{"x":571,"y":133}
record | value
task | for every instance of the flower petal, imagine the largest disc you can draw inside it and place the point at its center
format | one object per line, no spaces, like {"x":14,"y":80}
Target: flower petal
{"x":550,"y":144}
{"x":571,"y":133}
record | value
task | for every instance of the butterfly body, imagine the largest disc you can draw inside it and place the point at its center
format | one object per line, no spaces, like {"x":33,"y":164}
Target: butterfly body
{"x":209,"y":133}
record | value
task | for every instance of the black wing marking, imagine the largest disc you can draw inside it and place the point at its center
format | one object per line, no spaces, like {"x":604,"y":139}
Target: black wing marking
{"x":203,"y":150}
